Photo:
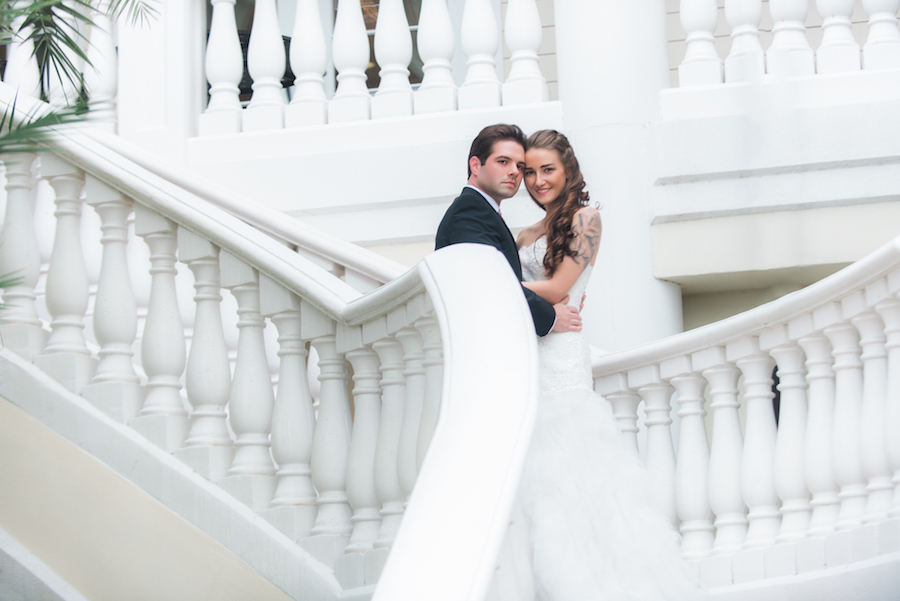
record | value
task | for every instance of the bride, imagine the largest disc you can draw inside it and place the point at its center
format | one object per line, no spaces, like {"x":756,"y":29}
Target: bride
{"x":584,"y":527}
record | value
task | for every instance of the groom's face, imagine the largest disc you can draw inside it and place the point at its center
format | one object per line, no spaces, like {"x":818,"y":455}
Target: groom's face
{"x":501,"y":173}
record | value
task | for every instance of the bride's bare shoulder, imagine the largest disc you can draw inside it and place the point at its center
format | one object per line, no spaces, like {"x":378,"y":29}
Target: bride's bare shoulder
{"x":528,"y":235}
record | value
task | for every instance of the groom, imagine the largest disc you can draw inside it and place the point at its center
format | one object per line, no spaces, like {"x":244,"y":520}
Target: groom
{"x":496,"y":160}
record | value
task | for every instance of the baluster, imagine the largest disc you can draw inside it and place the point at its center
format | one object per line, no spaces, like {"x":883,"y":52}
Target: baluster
{"x":480,"y":42}
{"x":393,"y":51}
{"x":790,"y":52}
{"x":414,"y":356}
{"x":525,"y":83}
{"x":692,"y":469}
{"x":224,"y":70}
{"x":757,"y":460}
{"x":266,"y":63}
{"x":434,"y":375}
{"x":64,"y":89}
{"x":387,"y":481}
{"x":890,"y":312}
{"x":21,"y":66}
{"x":624,"y":406}
{"x":790,"y":482}
{"x":20,"y":325}
{"x":208,"y":448}
{"x":435,"y":41}
{"x":725,"y":497}
{"x":331,"y":441}
{"x":293,"y":508}
{"x":100,"y":77}
{"x":251,"y":475}
{"x":838,"y":51}
{"x":701,"y":64}
{"x":882,"y":49}
{"x":873,"y":452}
{"x":660,"y":456}
{"x":746,"y":60}
{"x":308,"y":62}
{"x":817,"y":452}
{"x":848,"y":398}
{"x":350,"y":54}
{"x":115,"y":386}
{"x":66,"y":357}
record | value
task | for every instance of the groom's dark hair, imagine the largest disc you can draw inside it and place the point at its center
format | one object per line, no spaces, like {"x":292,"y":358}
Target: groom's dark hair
{"x":483,"y":144}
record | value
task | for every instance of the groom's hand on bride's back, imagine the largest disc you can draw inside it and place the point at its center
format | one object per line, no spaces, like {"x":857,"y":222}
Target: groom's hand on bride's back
{"x":568,"y":318}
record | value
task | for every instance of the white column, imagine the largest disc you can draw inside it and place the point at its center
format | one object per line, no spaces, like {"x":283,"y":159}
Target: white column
{"x":701,"y":64}
{"x":266,"y":63}
{"x":758,"y":458}
{"x":624,"y":406}
{"x":434,"y":374}
{"x":66,"y":357}
{"x":607,"y":45}
{"x":873,"y":450}
{"x":660,"y":455}
{"x":387,"y":481}
{"x":293,"y":508}
{"x":480,"y":42}
{"x":350,"y":54}
{"x":882,"y":48}
{"x":20,"y":325}
{"x":208,"y":448}
{"x":435,"y":42}
{"x":746,"y":60}
{"x":890,"y":312}
{"x":224,"y":70}
{"x":308,"y":62}
{"x":115,"y":384}
{"x":790,"y":52}
{"x":838,"y":51}
{"x":393,"y":52}
{"x":817,"y":453}
{"x":63,"y":87}
{"x":525,"y":83}
{"x":101,"y":73}
{"x":848,"y":400}
{"x":414,"y":357}
{"x":21,"y":66}
{"x":251,"y":475}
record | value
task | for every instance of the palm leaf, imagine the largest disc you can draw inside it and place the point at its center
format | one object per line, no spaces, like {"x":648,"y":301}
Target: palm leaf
{"x":30,"y":134}
{"x":137,"y":11}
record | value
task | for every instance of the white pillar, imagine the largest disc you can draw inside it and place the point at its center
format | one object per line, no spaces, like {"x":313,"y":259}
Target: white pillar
{"x":266,"y":63}
{"x":523,"y":35}
{"x":480,"y":42}
{"x":612,"y":63}
{"x":224,"y":69}
{"x":838,"y":50}
{"x":882,"y":49}
{"x":308,"y":62}
{"x":701,"y":64}
{"x":101,"y":75}
{"x":435,"y":41}
{"x":393,"y":52}
{"x":790,"y":52}
{"x":746,"y":60}
{"x":350,"y":54}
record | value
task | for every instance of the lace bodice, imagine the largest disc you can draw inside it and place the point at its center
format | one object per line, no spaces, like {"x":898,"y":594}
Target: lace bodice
{"x":565,"y":359}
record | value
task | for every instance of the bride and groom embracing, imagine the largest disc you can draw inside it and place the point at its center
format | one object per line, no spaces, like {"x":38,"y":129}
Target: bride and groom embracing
{"x":584,"y":527}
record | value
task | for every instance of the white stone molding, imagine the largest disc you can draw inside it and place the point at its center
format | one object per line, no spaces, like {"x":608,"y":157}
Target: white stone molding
{"x":525,"y":83}
{"x":434,"y":376}
{"x":208,"y":447}
{"x":758,"y":457}
{"x":224,"y":70}
{"x":393,"y":401}
{"x":101,"y":72}
{"x":701,"y":64}
{"x":660,"y":455}
{"x":266,"y":63}
{"x":790,"y":483}
{"x":66,"y":357}
{"x":889,"y":310}
{"x":838,"y":51}
{"x":350,"y":54}
{"x":882,"y":48}
{"x":414,"y":356}
{"x":293,"y":508}
{"x":308,"y":57}
{"x":848,"y":400}
{"x":817,"y":452}
{"x":393,"y":52}
{"x":20,"y":325}
{"x":251,"y":475}
{"x":746,"y":60}
{"x":480,"y":42}
{"x":725,"y":498}
{"x":873,"y":452}
{"x":790,"y":52}
{"x":438,"y":91}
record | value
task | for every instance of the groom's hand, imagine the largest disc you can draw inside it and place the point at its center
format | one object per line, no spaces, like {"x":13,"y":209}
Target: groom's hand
{"x":567,"y":318}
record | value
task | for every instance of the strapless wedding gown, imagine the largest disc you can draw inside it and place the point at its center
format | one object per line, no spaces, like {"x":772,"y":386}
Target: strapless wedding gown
{"x":584,"y":527}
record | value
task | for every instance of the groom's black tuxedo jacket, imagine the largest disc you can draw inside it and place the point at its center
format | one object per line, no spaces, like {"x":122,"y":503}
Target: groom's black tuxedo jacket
{"x":472,"y":219}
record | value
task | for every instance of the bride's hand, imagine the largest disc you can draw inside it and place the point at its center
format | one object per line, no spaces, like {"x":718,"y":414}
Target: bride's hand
{"x":567,"y":318}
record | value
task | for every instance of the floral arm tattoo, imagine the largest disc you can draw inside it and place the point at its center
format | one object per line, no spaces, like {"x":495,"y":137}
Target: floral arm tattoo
{"x":587,"y":236}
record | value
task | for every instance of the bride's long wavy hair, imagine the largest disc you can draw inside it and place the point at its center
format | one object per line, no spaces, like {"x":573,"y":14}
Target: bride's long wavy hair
{"x":573,"y":196}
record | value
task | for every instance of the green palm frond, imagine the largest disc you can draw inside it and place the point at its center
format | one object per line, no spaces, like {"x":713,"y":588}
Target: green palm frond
{"x":29,"y":134}
{"x":137,"y":11}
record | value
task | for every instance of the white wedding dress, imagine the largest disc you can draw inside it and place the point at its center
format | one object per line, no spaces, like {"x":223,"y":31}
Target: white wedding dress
{"x":584,"y":527}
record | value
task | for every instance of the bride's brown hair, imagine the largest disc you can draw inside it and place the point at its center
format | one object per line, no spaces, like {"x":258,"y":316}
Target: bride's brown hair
{"x":573,"y":196}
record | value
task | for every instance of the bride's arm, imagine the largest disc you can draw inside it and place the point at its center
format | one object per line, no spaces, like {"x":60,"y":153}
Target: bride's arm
{"x":587,"y":228}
